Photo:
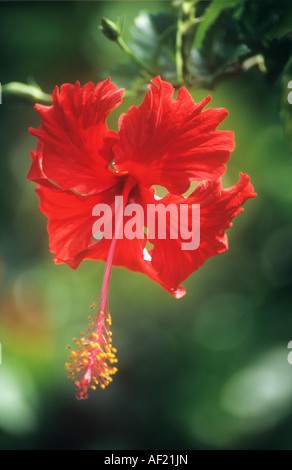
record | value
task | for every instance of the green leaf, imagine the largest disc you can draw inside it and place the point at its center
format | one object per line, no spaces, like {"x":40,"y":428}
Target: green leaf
{"x":286,"y":105}
{"x":266,"y":20}
{"x":222,"y":43}
{"x":277,"y":54}
{"x":210,"y":16}
{"x":283,"y":25}
{"x":264,"y":27}
{"x":153,"y":38}
{"x":126,"y":75}
{"x":152,"y":48}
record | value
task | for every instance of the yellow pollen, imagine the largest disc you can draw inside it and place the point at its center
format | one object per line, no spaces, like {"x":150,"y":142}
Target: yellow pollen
{"x":92,"y":362}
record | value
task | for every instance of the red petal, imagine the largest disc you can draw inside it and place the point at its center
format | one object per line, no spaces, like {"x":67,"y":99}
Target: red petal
{"x":36,"y":172}
{"x":132,"y":254}
{"x":170,"y":142}
{"x":70,"y":222}
{"x":217,"y":209}
{"x":76,"y":143}
{"x":70,"y":230}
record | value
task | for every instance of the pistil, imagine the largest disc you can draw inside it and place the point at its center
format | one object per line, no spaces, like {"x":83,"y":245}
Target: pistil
{"x":92,"y":364}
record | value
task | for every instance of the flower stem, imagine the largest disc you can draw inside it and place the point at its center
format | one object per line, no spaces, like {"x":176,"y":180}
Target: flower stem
{"x":186,"y":29}
{"x":21,"y":91}
{"x":108,"y":267}
{"x":124,"y":46}
{"x":110,"y":257}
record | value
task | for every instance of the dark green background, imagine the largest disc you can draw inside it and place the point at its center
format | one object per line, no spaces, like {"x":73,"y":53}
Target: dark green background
{"x":207,"y":372}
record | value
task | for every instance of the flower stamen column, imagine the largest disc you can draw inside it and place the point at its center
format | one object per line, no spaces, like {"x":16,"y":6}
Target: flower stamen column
{"x":95,"y":358}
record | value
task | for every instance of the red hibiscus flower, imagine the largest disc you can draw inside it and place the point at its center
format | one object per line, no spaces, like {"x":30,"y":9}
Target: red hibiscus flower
{"x":81,"y":165}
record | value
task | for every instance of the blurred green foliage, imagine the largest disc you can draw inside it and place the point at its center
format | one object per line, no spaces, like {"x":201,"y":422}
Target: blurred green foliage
{"x":202,"y":42}
{"x":209,"y":371}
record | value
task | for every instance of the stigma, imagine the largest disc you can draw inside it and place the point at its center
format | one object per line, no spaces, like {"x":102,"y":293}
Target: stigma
{"x":92,"y":362}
